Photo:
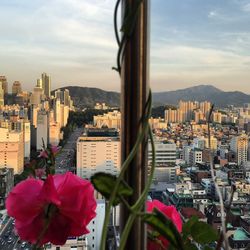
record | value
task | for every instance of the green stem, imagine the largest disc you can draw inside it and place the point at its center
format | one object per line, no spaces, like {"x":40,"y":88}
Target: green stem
{"x":126,"y":204}
{"x":124,"y":167}
{"x":48,"y":216}
{"x":138,"y":205}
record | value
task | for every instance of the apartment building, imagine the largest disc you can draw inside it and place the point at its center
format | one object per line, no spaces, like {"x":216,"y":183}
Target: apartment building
{"x":98,"y":151}
{"x":12,"y":150}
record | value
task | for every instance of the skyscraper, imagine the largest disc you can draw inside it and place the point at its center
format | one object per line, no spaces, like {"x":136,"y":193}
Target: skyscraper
{"x":46,"y":85}
{"x":39,"y":83}
{"x":1,"y":95}
{"x":16,"y":88}
{"x":66,"y":97}
{"x":4,"y":82}
{"x":42,"y":129}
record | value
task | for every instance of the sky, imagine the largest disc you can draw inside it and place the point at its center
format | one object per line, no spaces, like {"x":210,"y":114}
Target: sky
{"x":192,"y":42}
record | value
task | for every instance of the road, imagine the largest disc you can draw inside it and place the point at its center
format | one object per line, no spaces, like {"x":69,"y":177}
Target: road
{"x":65,"y":160}
{"x":9,"y":240}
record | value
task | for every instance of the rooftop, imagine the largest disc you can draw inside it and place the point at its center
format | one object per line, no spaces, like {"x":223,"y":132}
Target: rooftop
{"x":188,"y":212}
{"x":101,"y":132}
{"x":241,"y":234}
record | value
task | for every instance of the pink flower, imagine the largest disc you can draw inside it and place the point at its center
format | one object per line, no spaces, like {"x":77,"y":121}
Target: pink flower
{"x":54,"y":149}
{"x":44,"y":154}
{"x":171,"y":213}
{"x":73,"y":202}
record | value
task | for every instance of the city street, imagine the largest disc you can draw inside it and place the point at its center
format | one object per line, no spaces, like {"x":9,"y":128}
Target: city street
{"x":9,"y":240}
{"x":65,"y":159}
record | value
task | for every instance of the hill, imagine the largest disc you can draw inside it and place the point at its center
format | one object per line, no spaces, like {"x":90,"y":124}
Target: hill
{"x":87,"y":97}
{"x":203,"y":93}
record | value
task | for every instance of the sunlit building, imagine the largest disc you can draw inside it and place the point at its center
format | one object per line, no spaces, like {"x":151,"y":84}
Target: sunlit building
{"x":42,"y":131}
{"x":187,"y":109}
{"x":173,"y":116}
{"x":205,"y":108}
{"x":11,"y":150}
{"x":239,"y":145}
{"x":16,"y":88}
{"x":98,"y":151}
{"x":109,"y":120}
{"x":1,"y":94}
{"x":4,"y":82}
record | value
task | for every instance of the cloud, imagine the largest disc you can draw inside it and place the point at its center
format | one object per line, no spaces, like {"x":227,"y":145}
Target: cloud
{"x":74,"y":40}
{"x":246,"y":7}
{"x":196,"y":57}
{"x":212,"y":14}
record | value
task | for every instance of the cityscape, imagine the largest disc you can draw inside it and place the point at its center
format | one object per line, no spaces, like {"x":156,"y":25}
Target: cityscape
{"x":183,"y":143}
{"x":124,"y":125}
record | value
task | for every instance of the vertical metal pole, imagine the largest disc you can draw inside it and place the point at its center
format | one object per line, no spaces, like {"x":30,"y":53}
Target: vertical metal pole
{"x":134,"y":77}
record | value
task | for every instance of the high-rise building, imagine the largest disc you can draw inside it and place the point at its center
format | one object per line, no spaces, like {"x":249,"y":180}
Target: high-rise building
{"x":64,"y":115}
{"x":187,"y":109}
{"x":16,"y":88}
{"x":37,"y":95}
{"x":165,"y":153}
{"x":54,"y":133}
{"x":205,"y":108}
{"x":4,"y":82}
{"x":59,"y":95}
{"x":199,"y":116}
{"x":42,"y":132}
{"x":1,"y":94}
{"x":46,"y":84}
{"x":173,"y":116}
{"x":27,"y":138}
{"x":95,"y":227}
{"x":12,"y":150}
{"x":39,"y":83}
{"x":239,"y":145}
{"x":165,"y":158}
{"x":57,"y":111}
{"x":98,"y":151}
{"x":66,"y":98}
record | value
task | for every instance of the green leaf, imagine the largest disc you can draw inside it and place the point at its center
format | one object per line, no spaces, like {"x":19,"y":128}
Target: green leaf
{"x":105,"y":183}
{"x":186,"y":229}
{"x":203,"y":233}
{"x":190,"y":246}
{"x":160,"y":223}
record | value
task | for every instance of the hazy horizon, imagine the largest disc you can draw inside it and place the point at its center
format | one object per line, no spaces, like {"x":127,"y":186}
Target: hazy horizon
{"x":192,"y":43}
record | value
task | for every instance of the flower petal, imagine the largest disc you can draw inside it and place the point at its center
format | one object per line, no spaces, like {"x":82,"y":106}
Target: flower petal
{"x":23,"y":202}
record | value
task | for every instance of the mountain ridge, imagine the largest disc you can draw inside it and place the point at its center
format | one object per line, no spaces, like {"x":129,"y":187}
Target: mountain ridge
{"x":88,"y":96}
